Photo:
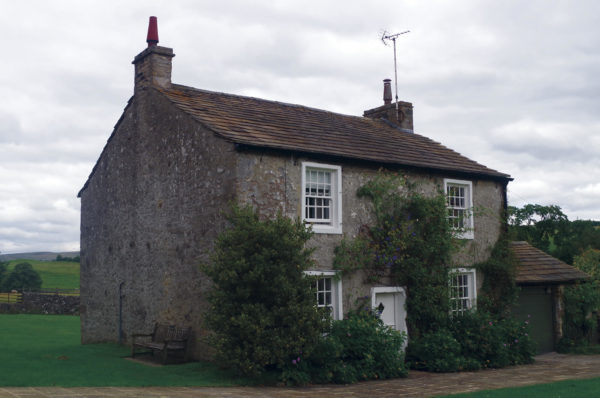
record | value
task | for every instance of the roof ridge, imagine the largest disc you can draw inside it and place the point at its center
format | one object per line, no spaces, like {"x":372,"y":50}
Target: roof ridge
{"x":264,"y":100}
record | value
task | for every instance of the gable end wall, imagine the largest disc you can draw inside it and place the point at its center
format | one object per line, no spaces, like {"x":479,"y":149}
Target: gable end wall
{"x":149,"y":216}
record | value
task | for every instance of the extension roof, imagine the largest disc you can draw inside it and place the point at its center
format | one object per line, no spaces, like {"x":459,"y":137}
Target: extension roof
{"x":538,"y":268}
{"x":270,"y":124}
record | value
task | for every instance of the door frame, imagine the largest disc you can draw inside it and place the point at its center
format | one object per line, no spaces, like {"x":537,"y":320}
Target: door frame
{"x":400,"y":300}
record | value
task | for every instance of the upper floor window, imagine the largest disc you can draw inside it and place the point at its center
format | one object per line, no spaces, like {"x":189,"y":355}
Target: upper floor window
{"x":459,"y":200}
{"x":463,"y":290}
{"x":322,"y":197}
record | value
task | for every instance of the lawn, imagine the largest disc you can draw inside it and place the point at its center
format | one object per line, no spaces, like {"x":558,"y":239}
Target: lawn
{"x":45,"y":350}
{"x":566,"y":389}
{"x":55,"y":274}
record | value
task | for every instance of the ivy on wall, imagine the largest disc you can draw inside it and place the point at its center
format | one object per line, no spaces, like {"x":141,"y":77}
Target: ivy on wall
{"x":411,"y":242}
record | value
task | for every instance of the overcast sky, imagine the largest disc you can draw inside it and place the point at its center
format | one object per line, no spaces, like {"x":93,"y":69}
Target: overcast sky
{"x":514,"y":85}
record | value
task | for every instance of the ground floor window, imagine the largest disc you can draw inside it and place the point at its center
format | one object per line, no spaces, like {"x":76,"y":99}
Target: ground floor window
{"x":463,"y":290}
{"x":328,"y":290}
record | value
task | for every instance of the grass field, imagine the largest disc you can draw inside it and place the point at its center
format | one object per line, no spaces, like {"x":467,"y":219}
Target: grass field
{"x":565,"y":389}
{"x":45,"y":350}
{"x":55,"y":274}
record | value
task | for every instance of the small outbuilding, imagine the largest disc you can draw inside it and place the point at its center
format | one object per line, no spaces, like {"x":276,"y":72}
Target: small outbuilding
{"x":542,"y":279}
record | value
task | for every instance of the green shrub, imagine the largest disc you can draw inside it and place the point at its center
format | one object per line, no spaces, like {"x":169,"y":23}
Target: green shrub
{"x":473,"y":340}
{"x":581,"y":301}
{"x":262,"y":308}
{"x":359,"y":347}
{"x":491,"y":342}
{"x":371,"y":348}
{"x":579,"y":323}
{"x":438,"y":351}
{"x":23,"y":276}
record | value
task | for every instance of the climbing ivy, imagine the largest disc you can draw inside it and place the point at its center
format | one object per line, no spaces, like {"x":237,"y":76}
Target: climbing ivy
{"x":499,"y":291}
{"x":411,"y":242}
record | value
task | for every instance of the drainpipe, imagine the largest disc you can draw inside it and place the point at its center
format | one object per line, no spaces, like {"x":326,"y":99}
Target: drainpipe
{"x":121,"y":312}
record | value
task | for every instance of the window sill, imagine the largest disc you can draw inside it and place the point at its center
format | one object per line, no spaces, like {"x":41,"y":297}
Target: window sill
{"x":469,"y":235}
{"x":326,"y":229}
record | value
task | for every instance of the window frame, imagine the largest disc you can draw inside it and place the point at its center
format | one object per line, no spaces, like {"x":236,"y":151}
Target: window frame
{"x":336,"y":293}
{"x":471,"y":275}
{"x":335,"y":225}
{"x":468,"y":230}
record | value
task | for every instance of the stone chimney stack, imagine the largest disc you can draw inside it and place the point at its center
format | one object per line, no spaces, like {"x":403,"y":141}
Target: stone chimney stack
{"x":402,"y":117}
{"x":153,"y":65}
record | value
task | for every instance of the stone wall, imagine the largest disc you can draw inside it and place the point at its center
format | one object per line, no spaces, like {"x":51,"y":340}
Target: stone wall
{"x":271,"y":182}
{"x":149,"y":216}
{"x":38,"y":303}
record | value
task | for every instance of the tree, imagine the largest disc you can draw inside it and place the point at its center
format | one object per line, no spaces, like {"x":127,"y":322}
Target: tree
{"x":262,"y":307}
{"x":23,"y":276}
{"x":3,"y":270}
{"x":549,"y":229}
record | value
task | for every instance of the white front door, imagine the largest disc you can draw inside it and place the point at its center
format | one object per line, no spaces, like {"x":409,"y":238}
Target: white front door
{"x":389,"y":301}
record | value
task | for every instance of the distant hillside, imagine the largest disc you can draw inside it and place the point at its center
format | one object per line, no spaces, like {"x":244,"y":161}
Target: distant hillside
{"x":39,"y":256}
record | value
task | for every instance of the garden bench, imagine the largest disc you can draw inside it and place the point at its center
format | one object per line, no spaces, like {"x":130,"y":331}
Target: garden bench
{"x":166,"y":339}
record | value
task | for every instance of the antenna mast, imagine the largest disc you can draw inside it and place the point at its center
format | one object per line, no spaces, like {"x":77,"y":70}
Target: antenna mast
{"x":385,"y":38}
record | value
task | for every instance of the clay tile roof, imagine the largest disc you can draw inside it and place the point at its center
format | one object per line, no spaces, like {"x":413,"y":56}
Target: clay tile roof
{"x":537,"y":267}
{"x":257,"y":122}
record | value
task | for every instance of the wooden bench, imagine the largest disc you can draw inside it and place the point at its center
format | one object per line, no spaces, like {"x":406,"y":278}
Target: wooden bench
{"x":166,"y":339}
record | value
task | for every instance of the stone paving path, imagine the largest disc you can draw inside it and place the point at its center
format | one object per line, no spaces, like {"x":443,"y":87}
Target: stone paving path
{"x":547,"y":368}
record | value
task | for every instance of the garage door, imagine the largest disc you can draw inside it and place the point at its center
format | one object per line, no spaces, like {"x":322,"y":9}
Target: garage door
{"x":535,"y":305}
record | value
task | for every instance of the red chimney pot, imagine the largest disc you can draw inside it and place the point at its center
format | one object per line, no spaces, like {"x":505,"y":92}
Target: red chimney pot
{"x":152,"y":38}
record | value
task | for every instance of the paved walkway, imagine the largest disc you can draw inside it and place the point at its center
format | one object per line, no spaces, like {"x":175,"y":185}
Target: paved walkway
{"x":547,"y":368}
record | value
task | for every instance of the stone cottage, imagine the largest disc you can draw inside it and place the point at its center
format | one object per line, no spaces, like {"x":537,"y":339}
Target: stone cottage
{"x":154,"y":202}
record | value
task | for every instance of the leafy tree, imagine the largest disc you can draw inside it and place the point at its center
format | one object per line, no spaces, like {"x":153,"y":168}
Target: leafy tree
{"x":23,"y":276}
{"x":75,"y":259}
{"x":542,"y":226}
{"x":549,"y":229}
{"x":262,"y":308}
{"x":3,"y":270}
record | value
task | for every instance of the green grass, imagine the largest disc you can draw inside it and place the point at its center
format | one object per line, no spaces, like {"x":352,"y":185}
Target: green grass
{"x":55,"y":274}
{"x":568,"y":388}
{"x":45,"y":350}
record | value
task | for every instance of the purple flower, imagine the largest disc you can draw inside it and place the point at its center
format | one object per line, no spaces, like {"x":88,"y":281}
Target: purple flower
{"x":293,"y":361}
{"x":516,"y":340}
{"x":491,"y":323}
{"x":298,"y":360}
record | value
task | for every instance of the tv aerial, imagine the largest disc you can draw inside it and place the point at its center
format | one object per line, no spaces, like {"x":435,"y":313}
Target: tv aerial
{"x":385,"y":38}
